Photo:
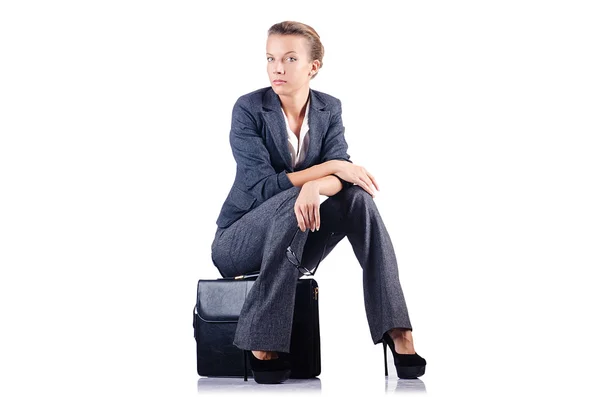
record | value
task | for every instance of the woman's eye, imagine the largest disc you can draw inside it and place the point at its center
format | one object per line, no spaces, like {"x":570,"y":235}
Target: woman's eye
{"x":269,"y":59}
{"x":292,"y":59}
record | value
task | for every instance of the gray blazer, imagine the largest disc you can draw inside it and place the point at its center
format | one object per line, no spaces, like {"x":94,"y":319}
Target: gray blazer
{"x":259,"y":142}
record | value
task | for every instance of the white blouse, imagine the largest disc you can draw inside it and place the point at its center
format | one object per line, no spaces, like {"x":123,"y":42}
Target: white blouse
{"x":298,"y":146}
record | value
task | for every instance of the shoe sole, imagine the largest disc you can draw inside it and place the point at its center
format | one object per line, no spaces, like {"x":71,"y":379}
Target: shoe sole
{"x":271,"y":377}
{"x":410,"y":372}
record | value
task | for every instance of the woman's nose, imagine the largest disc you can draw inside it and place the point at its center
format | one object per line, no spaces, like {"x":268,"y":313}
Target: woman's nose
{"x":279,"y":68}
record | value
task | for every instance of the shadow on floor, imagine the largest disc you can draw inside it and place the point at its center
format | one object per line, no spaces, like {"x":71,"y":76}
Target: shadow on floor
{"x":235,"y":384}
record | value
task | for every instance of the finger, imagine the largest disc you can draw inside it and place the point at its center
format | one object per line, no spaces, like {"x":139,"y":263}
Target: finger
{"x":317,"y":217}
{"x":304,"y":211}
{"x":314,"y":217}
{"x":299,"y":218}
{"x":373,"y":180}
{"x":367,"y":179}
{"x":370,"y":184}
{"x":309,"y":215}
{"x":366,"y":187}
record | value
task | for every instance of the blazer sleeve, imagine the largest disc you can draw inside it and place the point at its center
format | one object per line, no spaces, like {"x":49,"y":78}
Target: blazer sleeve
{"x":252,"y":157}
{"x":334,"y":144}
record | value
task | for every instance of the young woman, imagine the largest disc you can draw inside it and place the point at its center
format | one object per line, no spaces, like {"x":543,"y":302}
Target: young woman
{"x":289,"y":146}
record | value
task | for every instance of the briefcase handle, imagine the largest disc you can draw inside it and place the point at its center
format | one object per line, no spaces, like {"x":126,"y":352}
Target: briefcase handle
{"x":243,"y":276}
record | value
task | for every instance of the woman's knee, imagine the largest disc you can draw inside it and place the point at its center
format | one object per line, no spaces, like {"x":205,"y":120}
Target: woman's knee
{"x":357,"y":193}
{"x":288,"y":199}
{"x":294,"y":191}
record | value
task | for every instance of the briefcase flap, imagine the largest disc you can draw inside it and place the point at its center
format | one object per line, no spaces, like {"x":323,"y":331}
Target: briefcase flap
{"x":221,"y":300}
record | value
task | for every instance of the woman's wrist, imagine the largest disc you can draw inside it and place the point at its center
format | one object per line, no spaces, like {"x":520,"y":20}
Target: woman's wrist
{"x":326,"y":186}
{"x":340,"y":179}
{"x":315,"y":184}
{"x":333,"y":166}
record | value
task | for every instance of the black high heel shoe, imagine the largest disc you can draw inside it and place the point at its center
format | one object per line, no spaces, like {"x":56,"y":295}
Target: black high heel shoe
{"x":267,"y":371}
{"x":408,"y":366}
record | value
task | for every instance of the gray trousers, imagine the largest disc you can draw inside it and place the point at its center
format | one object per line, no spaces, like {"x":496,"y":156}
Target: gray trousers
{"x":259,"y":239}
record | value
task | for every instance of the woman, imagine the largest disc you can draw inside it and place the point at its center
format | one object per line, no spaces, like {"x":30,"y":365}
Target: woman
{"x":288,"y":143}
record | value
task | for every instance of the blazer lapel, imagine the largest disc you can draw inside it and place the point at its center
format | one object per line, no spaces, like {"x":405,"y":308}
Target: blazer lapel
{"x":273,"y":117}
{"x":318,"y":122}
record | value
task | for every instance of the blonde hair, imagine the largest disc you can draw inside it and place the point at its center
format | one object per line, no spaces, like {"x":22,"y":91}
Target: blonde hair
{"x":316,"y":49}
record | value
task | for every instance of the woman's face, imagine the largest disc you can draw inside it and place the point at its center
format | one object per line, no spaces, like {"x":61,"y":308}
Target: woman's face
{"x":288,"y":63}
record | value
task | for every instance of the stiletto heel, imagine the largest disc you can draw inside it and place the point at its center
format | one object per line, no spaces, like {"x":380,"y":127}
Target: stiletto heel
{"x":269,"y":371}
{"x":245,"y":365}
{"x":385,"y":358}
{"x":408,"y":366}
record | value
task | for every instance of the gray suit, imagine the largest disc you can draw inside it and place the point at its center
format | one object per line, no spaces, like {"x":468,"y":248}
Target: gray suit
{"x":257,"y":222}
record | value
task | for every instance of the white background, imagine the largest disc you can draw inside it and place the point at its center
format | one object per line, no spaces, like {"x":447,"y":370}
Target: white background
{"x":479,"y":120}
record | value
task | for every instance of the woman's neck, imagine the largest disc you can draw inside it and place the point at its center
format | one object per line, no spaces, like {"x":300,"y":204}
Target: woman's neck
{"x":293,"y":105}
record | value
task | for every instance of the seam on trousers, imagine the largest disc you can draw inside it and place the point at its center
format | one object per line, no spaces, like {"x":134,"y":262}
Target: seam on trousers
{"x":284,"y":202}
{"x":250,"y":341}
{"x":218,"y":247}
{"x":381,"y":300}
{"x":251,"y":330}
{"x":235,"y":270}
{"x":233,"y":267}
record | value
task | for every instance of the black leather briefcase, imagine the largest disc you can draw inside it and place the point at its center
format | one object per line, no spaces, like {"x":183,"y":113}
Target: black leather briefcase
{"x":216,"y":313}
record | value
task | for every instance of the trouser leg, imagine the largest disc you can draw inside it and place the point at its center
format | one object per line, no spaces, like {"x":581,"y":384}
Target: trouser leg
{"x":259,"y":241}
{"x":353,"y":213}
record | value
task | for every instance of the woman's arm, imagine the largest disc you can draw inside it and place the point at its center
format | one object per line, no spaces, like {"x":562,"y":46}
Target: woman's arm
{"x":329,"y":185}
{"x":251,"y":155}
{"x":307,"y":204}
{"x":316,"y":172}
{"x":334,"y":156}
{"x":336,"y":161}
{"x":253,"y":159}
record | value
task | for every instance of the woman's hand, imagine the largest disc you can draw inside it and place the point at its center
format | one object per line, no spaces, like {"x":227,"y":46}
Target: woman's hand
{"x":358,"y":175}
{"x":307,"y":207}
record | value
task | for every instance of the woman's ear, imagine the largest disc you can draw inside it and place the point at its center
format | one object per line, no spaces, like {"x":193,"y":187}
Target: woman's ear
{"x":315,"y":67}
